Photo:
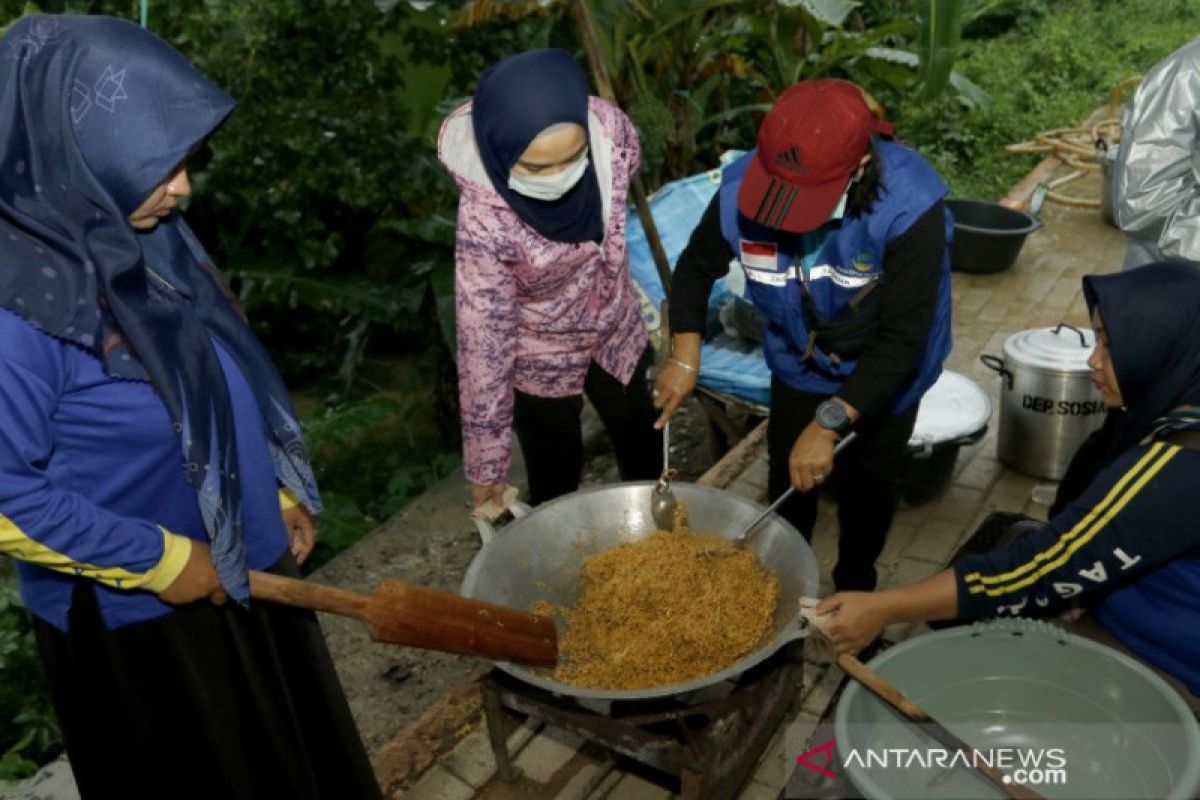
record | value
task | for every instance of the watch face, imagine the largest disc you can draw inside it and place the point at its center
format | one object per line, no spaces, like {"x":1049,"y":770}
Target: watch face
{"x":832,"y":415}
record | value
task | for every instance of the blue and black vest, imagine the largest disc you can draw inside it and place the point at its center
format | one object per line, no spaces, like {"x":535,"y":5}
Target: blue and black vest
{"x":837,"y":264}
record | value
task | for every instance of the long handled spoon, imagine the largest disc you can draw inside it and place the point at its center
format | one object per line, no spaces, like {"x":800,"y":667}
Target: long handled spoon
{"x":748,"y":532}
{"x":662,"y":498}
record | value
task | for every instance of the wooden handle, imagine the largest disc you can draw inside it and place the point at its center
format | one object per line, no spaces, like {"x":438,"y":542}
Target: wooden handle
{"x":418,"y":616}
{"x":425,"y":617}
{"x":884,"y":690}
{"x":302,"y":594}
{"x":897,"y":700}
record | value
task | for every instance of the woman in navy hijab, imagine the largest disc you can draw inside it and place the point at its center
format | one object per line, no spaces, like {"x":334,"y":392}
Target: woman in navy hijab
{"x":546,"y":309}
{"x":149,"y":454}
{"x":1122,"y":534}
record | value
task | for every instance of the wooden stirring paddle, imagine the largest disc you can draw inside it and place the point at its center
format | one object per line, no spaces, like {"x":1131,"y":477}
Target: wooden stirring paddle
{"x":418,"y":616}
{"x":895,"y":698}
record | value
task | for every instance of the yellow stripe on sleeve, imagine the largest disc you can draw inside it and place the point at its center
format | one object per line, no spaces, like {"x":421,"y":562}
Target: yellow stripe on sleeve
{"x":287,"y":499}
{"x":1096,"y":513}
{"x":176,"y":549}
{"x":1072,"y":548}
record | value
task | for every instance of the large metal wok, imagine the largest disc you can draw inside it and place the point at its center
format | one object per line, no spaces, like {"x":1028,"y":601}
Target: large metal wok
{"x":539,"y":557}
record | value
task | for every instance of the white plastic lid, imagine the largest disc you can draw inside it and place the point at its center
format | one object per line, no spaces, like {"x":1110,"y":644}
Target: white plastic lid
{"x":953,"y":407}
{"x":1061,"y":349}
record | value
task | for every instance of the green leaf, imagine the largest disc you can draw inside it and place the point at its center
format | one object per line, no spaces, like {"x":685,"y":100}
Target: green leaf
{"x":441,"y":279}
{"x":970,"y":91}
{"x":342,"y":423}
{"x":341,"y":524}
{"x":339,"y":296}
{"x":14,"y":766}
{"x":831,"y":12}
{"x":30,"y":8}
{"x":895,"y":56}
{"x":434,"y":229}
{"x":941,"y":29}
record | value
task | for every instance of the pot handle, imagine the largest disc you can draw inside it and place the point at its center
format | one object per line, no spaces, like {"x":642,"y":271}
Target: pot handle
{"x":1082,"y":339}
{"x":996,"y":364}
{"x":487,"y":531}
{"x":972,"y":438}
{"x":1036,"y":201}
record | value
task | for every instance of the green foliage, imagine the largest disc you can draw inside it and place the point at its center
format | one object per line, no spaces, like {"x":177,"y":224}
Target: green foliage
{"x":1051,"y":65}
{"x":376,"y":454}
{"x":29,"y":734}
{"x":941,"y":26}
{"x":13,"y":13}
{"x":695,"y":75}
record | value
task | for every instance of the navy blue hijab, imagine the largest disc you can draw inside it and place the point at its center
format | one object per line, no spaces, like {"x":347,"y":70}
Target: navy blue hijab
{"x":1151,"y":316}
{"x":518,"y":98}
{"x":95,"y":113}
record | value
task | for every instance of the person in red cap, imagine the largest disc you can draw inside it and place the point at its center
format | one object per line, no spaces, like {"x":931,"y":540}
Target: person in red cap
{"x":840,"y":236}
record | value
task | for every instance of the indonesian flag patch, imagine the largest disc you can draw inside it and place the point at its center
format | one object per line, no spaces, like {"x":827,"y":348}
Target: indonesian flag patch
{"x":759,"y":255}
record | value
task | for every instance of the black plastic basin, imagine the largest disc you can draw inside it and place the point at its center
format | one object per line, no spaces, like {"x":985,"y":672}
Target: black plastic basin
{"x":987,"y":236}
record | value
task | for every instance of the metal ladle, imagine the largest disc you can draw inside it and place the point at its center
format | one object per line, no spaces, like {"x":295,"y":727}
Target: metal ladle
{"x":748,"y":531}
{"x":662,"y":498}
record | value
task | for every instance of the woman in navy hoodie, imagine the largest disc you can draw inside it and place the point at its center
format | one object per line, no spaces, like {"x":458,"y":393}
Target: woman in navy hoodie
{"x":1123,"y":530}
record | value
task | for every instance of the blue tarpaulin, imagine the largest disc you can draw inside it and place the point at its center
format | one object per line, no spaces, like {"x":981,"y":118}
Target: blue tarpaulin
{"x":730,"y":365}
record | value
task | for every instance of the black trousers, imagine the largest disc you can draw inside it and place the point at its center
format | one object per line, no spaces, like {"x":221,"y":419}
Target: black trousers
{"x":206,"y":702}
{"x":866,"y":481}
{"x":551,"y":436}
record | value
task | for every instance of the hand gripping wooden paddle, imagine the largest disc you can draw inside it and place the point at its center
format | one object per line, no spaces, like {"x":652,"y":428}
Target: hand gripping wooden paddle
{"x":418,"y":616}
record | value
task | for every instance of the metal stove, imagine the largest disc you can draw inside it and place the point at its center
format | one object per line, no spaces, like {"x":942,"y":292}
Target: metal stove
{"x":709,"y":739}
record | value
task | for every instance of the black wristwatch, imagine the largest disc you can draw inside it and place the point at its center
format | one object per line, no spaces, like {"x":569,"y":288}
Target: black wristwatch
{"x":832,"y":415}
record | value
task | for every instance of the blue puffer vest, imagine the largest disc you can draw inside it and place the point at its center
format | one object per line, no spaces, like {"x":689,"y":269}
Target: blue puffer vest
{"x":836,"y":264}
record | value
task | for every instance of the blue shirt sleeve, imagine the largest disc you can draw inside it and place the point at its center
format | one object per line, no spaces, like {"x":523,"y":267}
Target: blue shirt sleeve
{"x":48,"y":524}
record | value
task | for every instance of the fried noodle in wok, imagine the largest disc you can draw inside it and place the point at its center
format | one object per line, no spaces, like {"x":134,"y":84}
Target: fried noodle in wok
{"x":674,"y":606}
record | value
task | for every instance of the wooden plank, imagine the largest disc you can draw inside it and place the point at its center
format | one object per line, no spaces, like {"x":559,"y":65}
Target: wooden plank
{"x":734,"y":463}
{"x":401,"y":761}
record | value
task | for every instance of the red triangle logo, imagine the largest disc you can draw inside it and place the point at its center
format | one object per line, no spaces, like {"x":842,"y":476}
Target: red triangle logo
{"x":827,"y":750}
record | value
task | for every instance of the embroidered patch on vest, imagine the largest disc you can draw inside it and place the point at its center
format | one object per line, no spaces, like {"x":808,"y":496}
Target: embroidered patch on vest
{"x":759,"y":255}
{"x":863,"y":262}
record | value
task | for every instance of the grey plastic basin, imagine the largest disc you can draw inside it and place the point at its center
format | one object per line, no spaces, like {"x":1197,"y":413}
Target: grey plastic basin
{"x":1023,"y":685}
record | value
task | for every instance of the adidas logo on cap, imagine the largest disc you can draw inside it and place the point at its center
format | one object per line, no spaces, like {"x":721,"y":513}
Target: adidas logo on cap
{"x":790,"y":160}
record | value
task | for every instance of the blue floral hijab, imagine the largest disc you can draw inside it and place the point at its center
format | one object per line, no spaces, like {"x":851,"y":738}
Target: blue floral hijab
{"x":95,"y":113}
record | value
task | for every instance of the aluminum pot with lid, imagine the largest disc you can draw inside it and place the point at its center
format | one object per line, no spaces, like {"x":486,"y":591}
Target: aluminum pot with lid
{"x":1048,"y":403}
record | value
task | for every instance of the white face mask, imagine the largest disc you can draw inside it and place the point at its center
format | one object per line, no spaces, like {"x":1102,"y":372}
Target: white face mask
{"x":549,"y":187}
{"x":839,"y":210}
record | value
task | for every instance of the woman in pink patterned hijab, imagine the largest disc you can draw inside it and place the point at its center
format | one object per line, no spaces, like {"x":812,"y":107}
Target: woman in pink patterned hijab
{"x":546,"y":308}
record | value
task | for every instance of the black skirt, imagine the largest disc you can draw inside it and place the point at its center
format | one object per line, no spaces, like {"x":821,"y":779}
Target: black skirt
{"x":207,"y":702}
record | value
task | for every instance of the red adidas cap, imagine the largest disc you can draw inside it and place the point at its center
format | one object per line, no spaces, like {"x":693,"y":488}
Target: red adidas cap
{"x":810,"y":143}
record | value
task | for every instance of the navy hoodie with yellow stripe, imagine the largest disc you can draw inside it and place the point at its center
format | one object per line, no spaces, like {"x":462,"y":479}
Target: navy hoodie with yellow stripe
{"x":1133,"y":536}
{"x":1125,"y":528}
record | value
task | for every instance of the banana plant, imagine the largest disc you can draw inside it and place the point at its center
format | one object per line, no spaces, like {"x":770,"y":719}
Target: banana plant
{"x":941,"y":29}
{"x":694,"y":74}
